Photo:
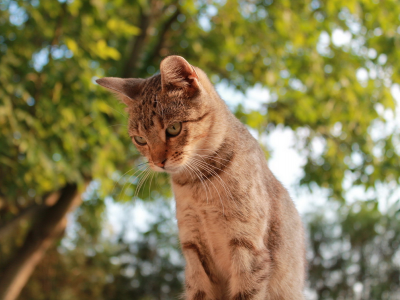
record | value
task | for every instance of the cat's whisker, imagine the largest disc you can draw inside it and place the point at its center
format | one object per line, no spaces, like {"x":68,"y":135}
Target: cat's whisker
{"x":199,"y":177}
{"x":214,"y":152}
{"x":216,"y":189}
{"x":122,"y":176}
{"x":125,"y":116}
{"x":223,"y":209}
{"x":142,"y":181}
{"x":226,"y":172}
{"x":185,"y":167}
{"x":214,"y":158}
{"x":204,"y":184}
{"x":156,"y":177}
{"x":223,"y":184}
{"x":211,"y":167}
{"x":139,"y":184}
{"x":190,"y":172}
{"x":211,"y":158}
{"x":143,"y":174}
{"x":206,"y":188}
{"x":190,"y":168}
{"x":128,"y":181}
{"x":147,"y":176}
{"x":151,"y":181}
{"x":143,"y":163}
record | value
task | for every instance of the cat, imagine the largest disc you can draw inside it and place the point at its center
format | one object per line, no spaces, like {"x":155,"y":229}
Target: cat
{"x":240,"y":233}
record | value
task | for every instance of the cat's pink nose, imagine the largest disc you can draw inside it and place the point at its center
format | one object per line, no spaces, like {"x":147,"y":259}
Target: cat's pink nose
{"x":160,"y":164}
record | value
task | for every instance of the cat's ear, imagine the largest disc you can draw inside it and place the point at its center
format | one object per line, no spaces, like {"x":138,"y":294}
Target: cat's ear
{"x":126,"y":88}
{"x":177,"y":73}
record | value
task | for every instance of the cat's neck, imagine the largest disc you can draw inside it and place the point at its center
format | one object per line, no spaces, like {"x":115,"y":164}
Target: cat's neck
{"x":226,"y":142}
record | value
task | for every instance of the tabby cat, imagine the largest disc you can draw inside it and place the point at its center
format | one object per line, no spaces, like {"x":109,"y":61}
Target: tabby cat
{"x":240,"y":232}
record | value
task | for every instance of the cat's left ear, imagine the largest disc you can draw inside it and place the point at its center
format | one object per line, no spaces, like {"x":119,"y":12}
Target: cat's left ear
{"x":126,"y":88}
{"x":177,"y":73}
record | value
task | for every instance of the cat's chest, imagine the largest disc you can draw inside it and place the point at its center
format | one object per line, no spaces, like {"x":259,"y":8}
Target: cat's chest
{"x":204,"y":224}
{"x":195,"y":215}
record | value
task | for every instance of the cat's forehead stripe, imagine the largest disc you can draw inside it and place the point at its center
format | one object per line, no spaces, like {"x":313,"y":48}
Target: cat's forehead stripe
{"x":198,"y":119}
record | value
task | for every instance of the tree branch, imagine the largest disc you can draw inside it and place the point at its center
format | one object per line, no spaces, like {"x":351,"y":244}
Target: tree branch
{"x":3,"y":201}
{"x":27,"y":213}
{"x":138,"y":45}
{"x":30,"y":212}
{"x":155,"y":53}
{"x":43,"y":233}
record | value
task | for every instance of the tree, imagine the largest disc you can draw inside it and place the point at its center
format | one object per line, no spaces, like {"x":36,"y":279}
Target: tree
{"x":90,"y":264}
{"x":353,"y":254}
{"x":58,"y":131}
{"x":55,"y":129}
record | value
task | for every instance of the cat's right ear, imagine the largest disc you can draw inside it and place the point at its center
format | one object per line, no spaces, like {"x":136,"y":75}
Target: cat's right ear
{"x":126,"y":89}
{"x":177,"y":73}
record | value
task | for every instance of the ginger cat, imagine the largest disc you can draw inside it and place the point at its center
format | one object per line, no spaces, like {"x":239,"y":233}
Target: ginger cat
{"x":240,"y":232}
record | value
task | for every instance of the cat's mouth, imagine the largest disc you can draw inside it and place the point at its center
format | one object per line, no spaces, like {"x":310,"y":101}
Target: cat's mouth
{"x":166,"y":168}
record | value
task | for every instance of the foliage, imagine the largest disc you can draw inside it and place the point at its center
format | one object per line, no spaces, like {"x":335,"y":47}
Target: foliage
{"x":329,"y":67}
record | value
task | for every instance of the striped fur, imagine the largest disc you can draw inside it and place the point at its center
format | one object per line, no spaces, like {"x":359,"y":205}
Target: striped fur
{"x":240,"y":232}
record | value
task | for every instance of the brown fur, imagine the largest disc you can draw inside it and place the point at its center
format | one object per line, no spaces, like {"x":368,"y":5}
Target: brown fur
{"x":240,"y":232}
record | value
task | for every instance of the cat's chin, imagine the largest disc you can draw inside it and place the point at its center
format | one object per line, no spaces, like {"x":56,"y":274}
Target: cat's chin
{"x":167,"y":169}
{"x":172,"y":170}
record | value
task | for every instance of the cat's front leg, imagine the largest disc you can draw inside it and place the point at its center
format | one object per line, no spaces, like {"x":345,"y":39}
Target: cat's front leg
{"x":250,"y":268}
{"x":200,"y":277}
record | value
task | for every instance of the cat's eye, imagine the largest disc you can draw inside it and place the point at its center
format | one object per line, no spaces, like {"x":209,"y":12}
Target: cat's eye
{"x":140,"y":140}
{"x":174,"y":129}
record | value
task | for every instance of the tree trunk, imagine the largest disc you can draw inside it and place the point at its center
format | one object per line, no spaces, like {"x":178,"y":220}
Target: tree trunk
{"x":44,"y":231}
{"x":155,"y":53}
{"x":26,"y":214}
{"x":29,"y":212}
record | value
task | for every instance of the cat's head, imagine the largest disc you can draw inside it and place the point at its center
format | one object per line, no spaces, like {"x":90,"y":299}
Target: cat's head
{"x":172,"y":115}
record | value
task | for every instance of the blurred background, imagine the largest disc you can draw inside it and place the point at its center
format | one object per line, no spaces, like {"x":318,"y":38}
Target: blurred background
{"x":316,"y":82}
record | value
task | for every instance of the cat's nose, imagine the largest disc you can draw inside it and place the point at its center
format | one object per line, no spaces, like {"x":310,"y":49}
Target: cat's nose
{"x":161,"y":164}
